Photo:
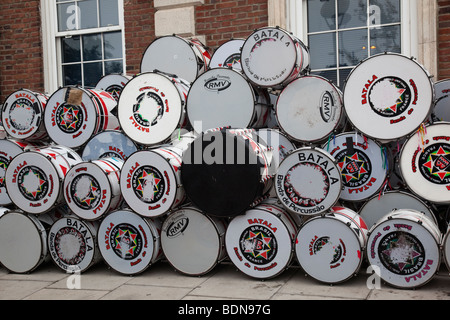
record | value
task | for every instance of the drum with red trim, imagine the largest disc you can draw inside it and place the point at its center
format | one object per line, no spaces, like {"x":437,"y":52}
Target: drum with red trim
{"x":152,"y":106}
{"x":73,"y":115}
{"x":113,"y":84}
{"x":151,"y":182}
{"x":92,"y":189}
{"x":441,"y":109}
{"x":128,"y":242}
{"x":425,"y":163}
{"x":185,"y":58}
{"x":405,"y":245}
{"x":193,"y":242}
{"x":388,"y":96}
{"x":228,"y":55}
{"x":273,"y":57}
{"x":109,"y":143}
{"x":225,"y":171}
{"x":222,"y":97}
{"x":22,"y":115}
{"x":330,"y":247}
{"x":34,"y":179}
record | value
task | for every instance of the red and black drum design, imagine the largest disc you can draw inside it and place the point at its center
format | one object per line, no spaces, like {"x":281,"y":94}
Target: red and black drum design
{"x":228,"y":55}
{"x":113,"y":84}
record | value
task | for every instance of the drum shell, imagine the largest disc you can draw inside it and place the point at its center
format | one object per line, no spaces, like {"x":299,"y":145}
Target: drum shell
{"x":446,"y":248}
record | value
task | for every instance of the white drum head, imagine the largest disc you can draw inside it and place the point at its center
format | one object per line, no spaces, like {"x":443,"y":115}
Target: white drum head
{"x":228,"y":55}
{"x":269,"y":56}
{"x":127,"y":242}
{"x":308,"y":181}
{"x":9,"y":149}
{"x":109,"y":143}
{"x":363,"y":167}
{"x":23,"y":242}
{"x":171,"y":54}
{"x":405,"y":249}
{"x":150,"y":108}
{"x":72,"y":244}
{"x":309,"y":109}
{"x":446,"y":249}
{"x":221,"y":97}
{"x":191,"y":241}
{"x":259,"y":244}
{"x":328,"y":249}
{"x":113,"y":84}
{"x":441,"y":110}
{"x":388,"y":96}
{"x":426,"y":167}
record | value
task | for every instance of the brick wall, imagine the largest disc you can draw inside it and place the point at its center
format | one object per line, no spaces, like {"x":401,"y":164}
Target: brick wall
{"x":21,"y":64}
{"x":443,"y":39}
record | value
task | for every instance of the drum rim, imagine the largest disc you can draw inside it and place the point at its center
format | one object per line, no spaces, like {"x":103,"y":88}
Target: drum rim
{"x":208,"y":218}
{"x":329,"y":216}
{"x":41,"y":236}
{"x":341,"y":109}
{"x":180,"y":117}
{"x":406,"y":59}
{"x":284,"y":228}
{"x":93,"y":234}
{"x":110,"y":75}
{"x":281,"y":81}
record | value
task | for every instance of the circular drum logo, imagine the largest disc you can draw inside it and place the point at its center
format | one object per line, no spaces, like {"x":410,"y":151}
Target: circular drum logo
{"x":32,"y":183}
{"x":22,"y":114}
{"x":85,"y":191}
{"x":70,"y":257}
{"x":69,"y":118}
{"x":152,"y":113}
{"x":356,"y":168}
{"x":148,"y":184}
{"x":258,"y":244}
{"x":389,"y":96}
{"x":401,"y":253}
{"x":126,"y":241}
{"x":434,"y":163}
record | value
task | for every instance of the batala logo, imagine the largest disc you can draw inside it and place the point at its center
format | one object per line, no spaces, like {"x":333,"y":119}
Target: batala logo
{"x":217,"y":83}
{"x":177,"y":227}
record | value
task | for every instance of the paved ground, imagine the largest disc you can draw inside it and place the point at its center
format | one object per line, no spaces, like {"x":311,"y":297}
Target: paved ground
{"x":225,"y":282}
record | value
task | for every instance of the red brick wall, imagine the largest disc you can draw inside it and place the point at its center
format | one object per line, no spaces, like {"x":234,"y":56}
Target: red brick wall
{"x":443,"y":39}
{"x":21,"y":63}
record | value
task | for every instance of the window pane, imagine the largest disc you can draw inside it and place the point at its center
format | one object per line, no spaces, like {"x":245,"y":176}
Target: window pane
{"x":322,"y":48}
{"x":343,"y":74}
{"x":384,"y":11}
{"x":113,"y":67}
{"x":352,"y":13}
{"x":352,"y":47}
{"x":109,"y":13}
{"x":67,"y":16}
{"x":72,"y":74}
{"x":88,"y":14}
{"x":328,"y":74}
{"x":321,"y":15}
{"x":92,"y":47}
{"x":71,"y":49}
{"x":92,"y":73}
{"x":385,"y":39}
{"x":112,"y":45}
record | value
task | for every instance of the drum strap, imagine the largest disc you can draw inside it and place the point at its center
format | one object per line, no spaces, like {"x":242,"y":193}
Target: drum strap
{"x":350,"y":149}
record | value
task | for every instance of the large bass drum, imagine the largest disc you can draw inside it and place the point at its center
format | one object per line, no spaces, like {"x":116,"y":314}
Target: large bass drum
{"x":113,"y":84}
{"x":405,"y":245}
{"x":193,"y":242}
{"x":109,"y":143}
{"x":228,"y":55}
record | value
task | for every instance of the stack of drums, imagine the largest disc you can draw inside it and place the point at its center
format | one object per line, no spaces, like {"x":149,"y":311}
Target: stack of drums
{"x":240,"y":155}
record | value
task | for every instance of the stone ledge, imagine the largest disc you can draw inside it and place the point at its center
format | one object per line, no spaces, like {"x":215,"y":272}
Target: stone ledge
{"x":170,"y":4}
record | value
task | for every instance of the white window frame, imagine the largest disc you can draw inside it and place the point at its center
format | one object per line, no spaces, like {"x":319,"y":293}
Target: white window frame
{"x":297,"y":23}
{"x":51,"y":39}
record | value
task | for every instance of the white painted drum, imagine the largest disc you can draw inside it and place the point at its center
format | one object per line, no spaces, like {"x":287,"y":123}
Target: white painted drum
{"x":129,"y":243}
{"x":388,"y":96}
{"x":193,"y":242}
{"x":185,"y":58}
{"x":272,"y":57}
{"x":308,"y":181}
{"x":405,"y":245}
{"x":260,"y":243}
{"x":151,"y":182}
{"x":330,"y":248}
{"x":425,"y":163}
{"x":113,"y":84}
{"x":34,"y":179}
{"x":109,"y":143}
{"x":380,"y":205}
{"x":441,"y":109}
{"x":222,"y":97}
{"x":309,"y":109}
{"x":72,"y":244}
{"x":73,"y":115}
{"x":446,"y":248}
{"x":151,"y":106}
{"x":92,"y":189}
{"x":363,"y":166}
{"x":228,"y":55}
{"x":22,"y":115}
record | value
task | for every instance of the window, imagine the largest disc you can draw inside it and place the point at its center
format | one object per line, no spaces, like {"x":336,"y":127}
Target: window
{"x":341,"y":33}
{"x":88,"y":40}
